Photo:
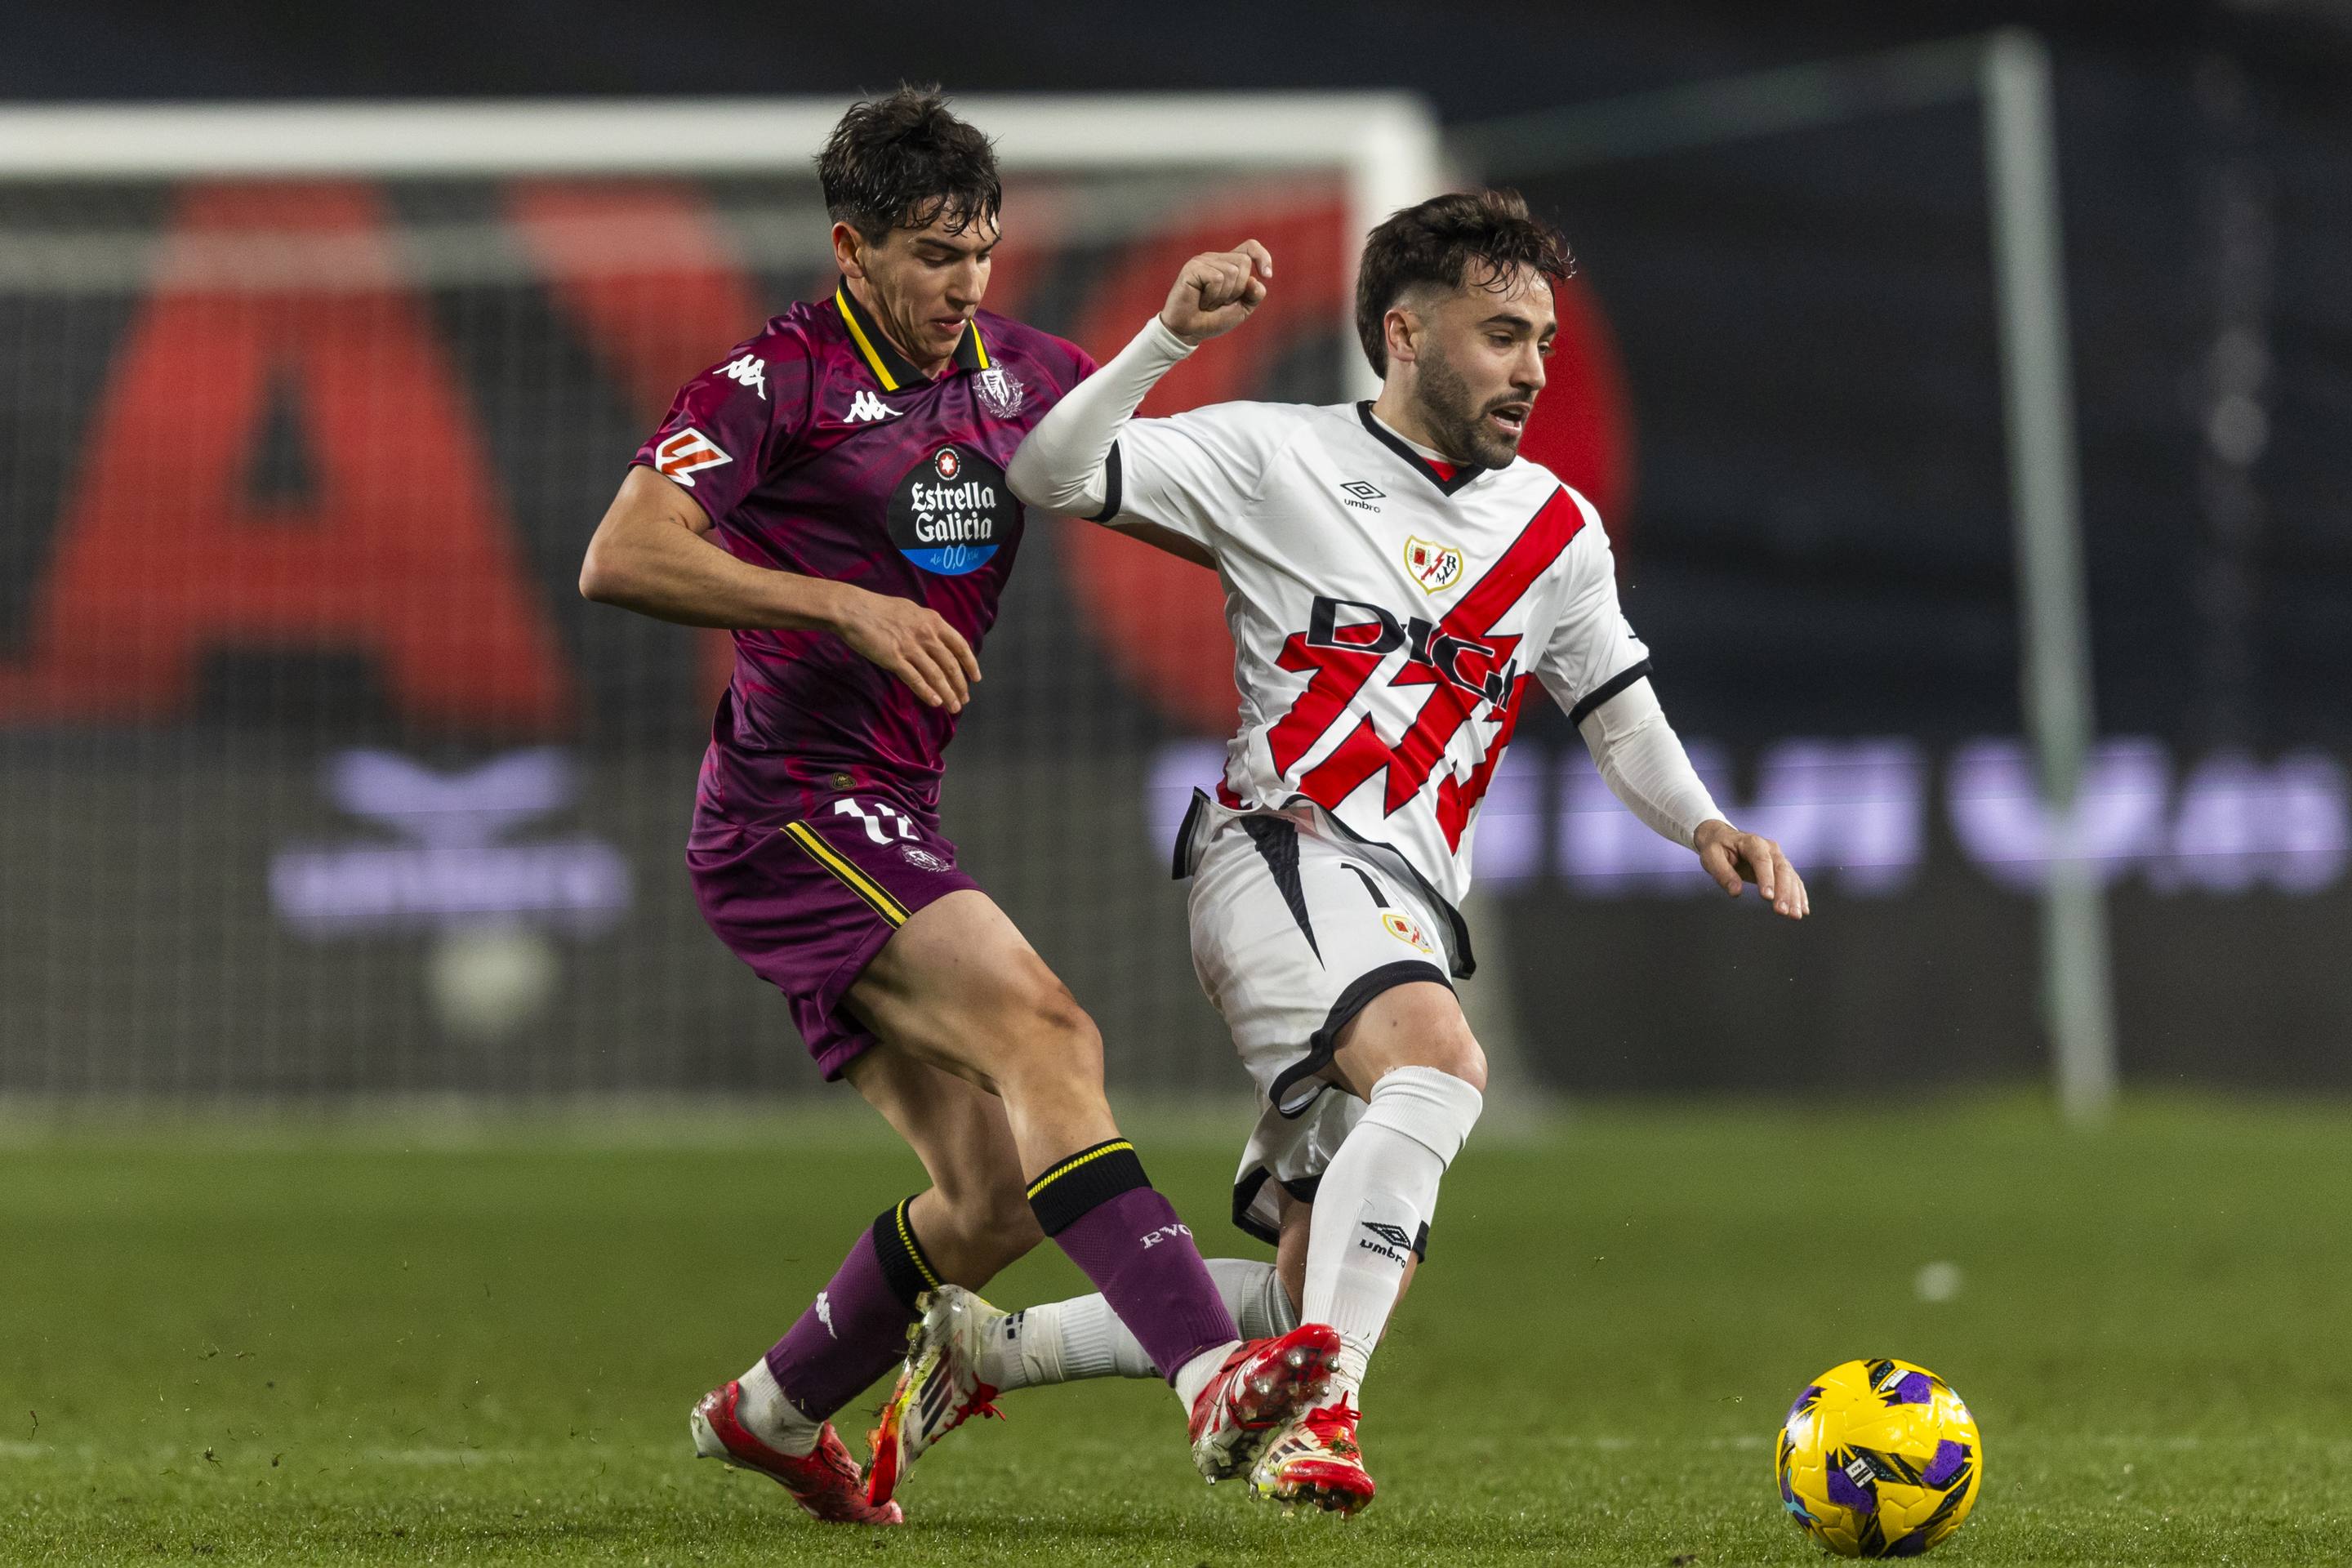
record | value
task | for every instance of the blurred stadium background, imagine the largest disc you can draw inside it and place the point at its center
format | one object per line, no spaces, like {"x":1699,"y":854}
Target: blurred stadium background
{"x":388,"y":1155}
{"x":318,"y":779}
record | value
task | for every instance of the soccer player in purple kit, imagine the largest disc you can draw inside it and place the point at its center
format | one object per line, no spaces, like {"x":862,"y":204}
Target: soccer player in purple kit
{"x":832,"y":491}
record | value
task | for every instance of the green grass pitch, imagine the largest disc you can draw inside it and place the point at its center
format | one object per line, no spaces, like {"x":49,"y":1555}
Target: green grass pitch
{"x":222,"y":1347}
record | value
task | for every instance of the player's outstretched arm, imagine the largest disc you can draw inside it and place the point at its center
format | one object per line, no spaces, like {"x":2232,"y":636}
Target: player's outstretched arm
{"x":1641,"y":760}
{"x":1063,"y":464}
{"x":653,"y":553}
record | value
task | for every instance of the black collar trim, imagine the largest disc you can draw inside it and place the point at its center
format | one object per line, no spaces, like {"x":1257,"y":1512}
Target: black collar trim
{"x":890,"y":367}
{"x":1403,"y":448}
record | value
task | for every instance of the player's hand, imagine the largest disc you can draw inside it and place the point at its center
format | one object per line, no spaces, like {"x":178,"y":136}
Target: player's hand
{"x":912,"y":642}
{"x":1217,"y":291}
{"x":1732,"y":857}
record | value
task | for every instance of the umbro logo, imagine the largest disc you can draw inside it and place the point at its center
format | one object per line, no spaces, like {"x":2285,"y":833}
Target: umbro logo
{"x":750,"y":371}
{"x":1362,"y":494}
{"x":868,"y":409}
{"x":1399,"y":1243}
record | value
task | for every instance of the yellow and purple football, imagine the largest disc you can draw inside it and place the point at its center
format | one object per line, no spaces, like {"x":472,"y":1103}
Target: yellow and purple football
{"x":1879,"y":1458}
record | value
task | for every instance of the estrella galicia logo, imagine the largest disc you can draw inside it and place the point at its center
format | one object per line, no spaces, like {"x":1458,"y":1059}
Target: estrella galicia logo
{"x":952,"y":511}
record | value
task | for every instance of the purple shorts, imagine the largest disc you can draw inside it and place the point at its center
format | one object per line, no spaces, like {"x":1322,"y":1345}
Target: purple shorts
{"x":809,"y":904}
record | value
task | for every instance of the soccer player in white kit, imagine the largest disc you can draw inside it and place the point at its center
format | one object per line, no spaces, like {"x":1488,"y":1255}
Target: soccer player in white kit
{"x":1396,"y":579}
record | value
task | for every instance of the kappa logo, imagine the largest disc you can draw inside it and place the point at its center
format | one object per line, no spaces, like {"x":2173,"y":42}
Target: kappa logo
{"x":1405,"y":929}
{"x":1166,"y":1233}
{"x":750,"y":371}
{"x":825,"y":1313}
{"x":686,"y":454}
{"x":1361,"y":495}
{"x":1436,"y":567}
{"x":868,"y":409}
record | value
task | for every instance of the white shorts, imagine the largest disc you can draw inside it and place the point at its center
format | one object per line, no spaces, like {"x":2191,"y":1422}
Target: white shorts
{"x":1293,"y":935}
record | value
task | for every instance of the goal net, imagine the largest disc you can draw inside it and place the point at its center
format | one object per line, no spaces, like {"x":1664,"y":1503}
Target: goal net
{"x":316,"y":774}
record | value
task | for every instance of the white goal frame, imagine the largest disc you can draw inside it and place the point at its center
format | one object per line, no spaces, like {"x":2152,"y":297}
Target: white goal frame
{"x":1385,"y":145}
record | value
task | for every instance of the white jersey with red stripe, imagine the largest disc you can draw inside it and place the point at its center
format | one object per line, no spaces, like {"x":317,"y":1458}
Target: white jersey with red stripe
{"x":1389,"y":612}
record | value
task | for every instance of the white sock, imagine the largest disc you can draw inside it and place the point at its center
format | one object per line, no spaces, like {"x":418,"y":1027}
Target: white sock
{"x":1196,"y":1375}
{"x":768,"y":1416}
{"x":1253,"y":1294}
{"x":1380,"y":1191}
{"x":1064,"y":1341}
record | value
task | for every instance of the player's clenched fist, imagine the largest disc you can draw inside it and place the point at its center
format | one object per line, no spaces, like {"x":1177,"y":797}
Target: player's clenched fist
{"x":912,"y":642}
{"x":1732,"y":857}
{"x":1217,"y":291}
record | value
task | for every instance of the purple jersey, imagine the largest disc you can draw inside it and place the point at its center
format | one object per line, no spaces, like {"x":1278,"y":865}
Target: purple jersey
{"x":818,"y":450}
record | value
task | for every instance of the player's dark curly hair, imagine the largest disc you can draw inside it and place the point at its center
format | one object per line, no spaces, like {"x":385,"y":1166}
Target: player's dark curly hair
{"x":902,"y":161}
{"x":1480,"y":238}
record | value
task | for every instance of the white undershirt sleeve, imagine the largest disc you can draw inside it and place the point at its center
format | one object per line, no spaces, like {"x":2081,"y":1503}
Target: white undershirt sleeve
{"x":1643,"y":761}
{"x":1063,"y":464}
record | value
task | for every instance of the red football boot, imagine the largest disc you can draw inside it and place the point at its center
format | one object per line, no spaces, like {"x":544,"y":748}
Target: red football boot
{"x":1317,"y":1459}
{"x":1262,"y":1385}
{"x":825,"y":1482}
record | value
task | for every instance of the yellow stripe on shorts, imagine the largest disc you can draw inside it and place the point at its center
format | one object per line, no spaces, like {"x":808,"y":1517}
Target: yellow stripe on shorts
{"x":857,"y":882}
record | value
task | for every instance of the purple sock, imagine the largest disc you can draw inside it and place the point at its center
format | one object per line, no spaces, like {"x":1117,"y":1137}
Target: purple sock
{"x":857,"y":1328}
{"x":1103,"y":1210}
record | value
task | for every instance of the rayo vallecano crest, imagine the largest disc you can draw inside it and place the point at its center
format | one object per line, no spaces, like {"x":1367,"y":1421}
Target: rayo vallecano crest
{"x":1436,"y":567}
{"x":999,"y":394}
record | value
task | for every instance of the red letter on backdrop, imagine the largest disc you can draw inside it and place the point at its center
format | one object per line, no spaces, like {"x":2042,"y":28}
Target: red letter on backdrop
{"x":646,"y":269}
{"x":403,"y":550}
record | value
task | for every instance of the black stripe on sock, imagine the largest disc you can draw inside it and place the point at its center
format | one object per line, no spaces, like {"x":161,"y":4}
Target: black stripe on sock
{"x":1420,"y":1243}
{"x":904,"y":1265}
{"x":1083,"y":1182}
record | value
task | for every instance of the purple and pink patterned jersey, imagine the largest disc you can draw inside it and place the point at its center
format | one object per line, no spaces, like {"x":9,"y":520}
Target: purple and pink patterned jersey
{"x":818,"y":449}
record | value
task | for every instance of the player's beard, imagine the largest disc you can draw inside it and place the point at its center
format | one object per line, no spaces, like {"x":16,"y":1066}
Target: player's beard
{"x":1457,"y":417}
